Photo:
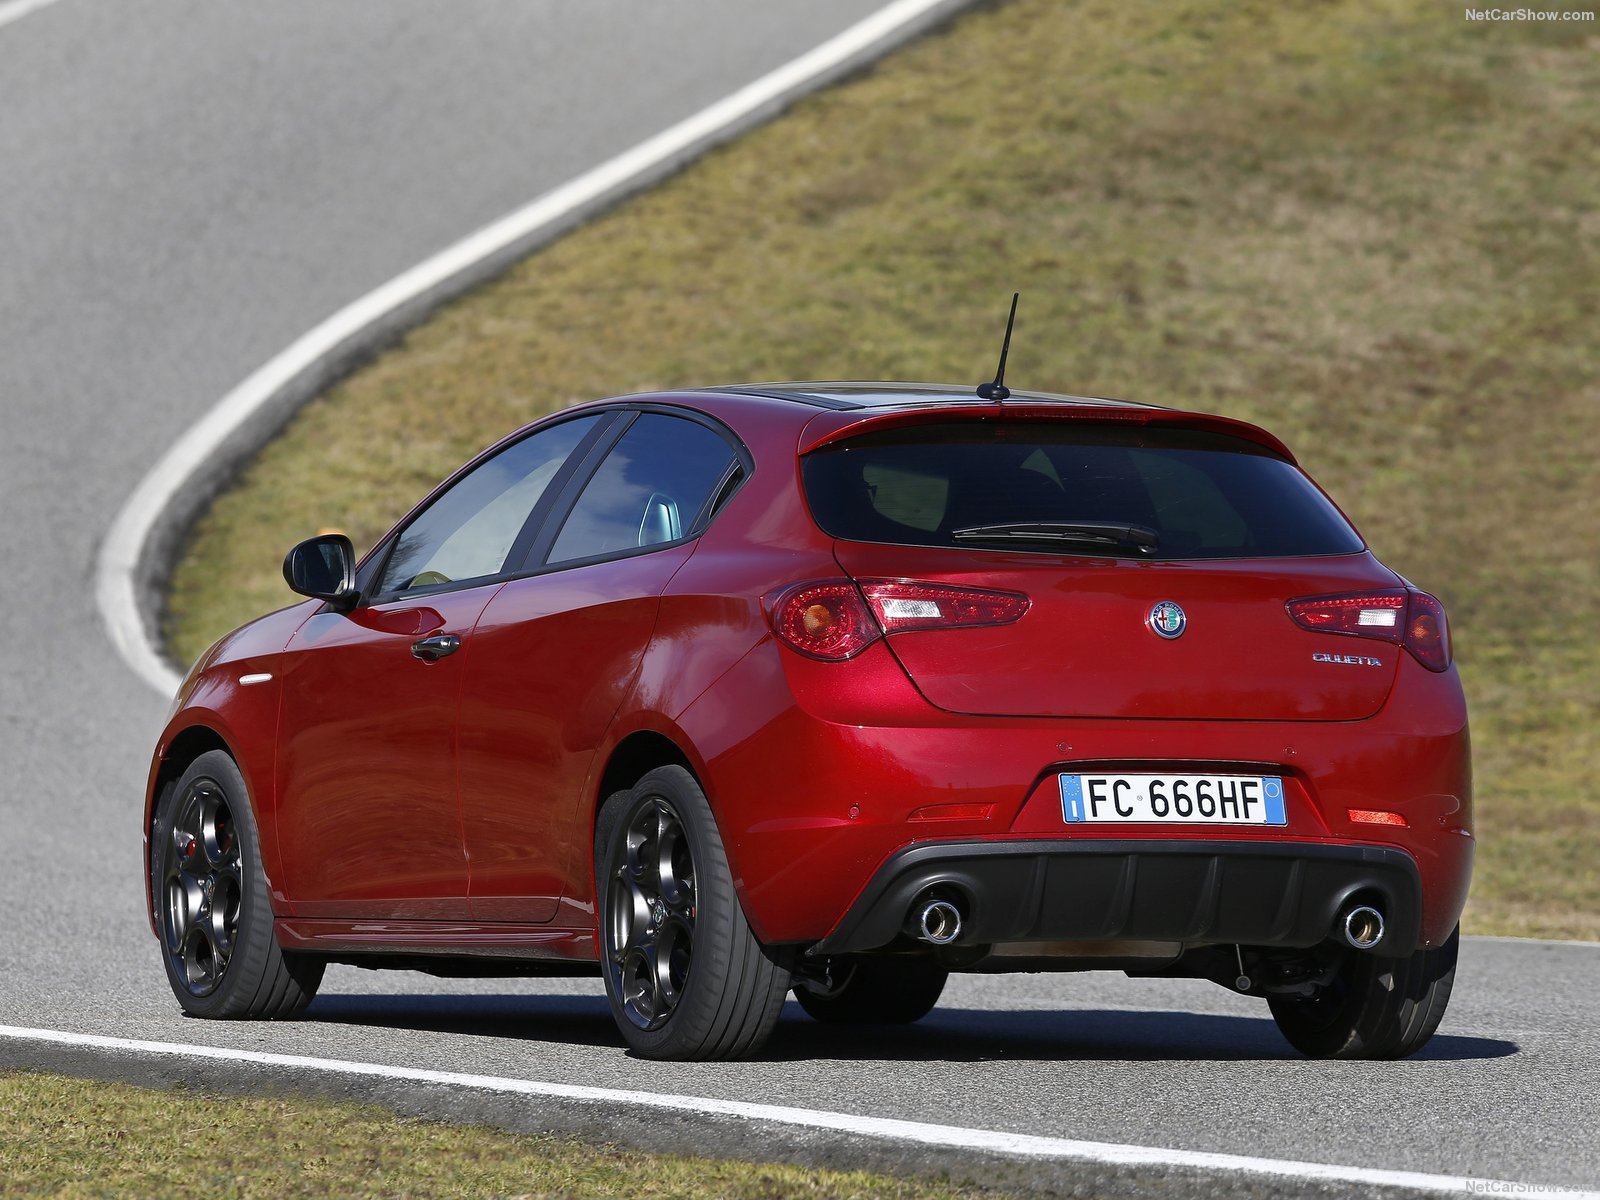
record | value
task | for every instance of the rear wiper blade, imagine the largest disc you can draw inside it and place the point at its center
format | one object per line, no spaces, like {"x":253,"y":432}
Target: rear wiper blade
{"x":1090,"y":533}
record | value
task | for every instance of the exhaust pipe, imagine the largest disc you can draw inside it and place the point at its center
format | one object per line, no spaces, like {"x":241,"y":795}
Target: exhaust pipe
{"x":1361,"y":926}
{"x":937,"y":922}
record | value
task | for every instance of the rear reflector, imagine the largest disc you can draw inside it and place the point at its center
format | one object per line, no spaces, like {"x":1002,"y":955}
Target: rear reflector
{"x":833,"y":619}
{"x":952,"y":812}
{"x":1400,"y":616}
{"x":1372,"y":816}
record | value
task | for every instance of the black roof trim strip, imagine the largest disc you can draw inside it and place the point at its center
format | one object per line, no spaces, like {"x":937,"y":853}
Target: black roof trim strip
{"x":809,"y":398}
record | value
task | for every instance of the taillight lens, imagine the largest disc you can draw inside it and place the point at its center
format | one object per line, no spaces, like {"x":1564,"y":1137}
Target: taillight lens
{"x":1428,"y":632}
{"x":1400,"y":616}
{"x":826,"y":620}
{"x":905,"y":604}
{"x":1378,"y":615}
{"x":834,"y":619}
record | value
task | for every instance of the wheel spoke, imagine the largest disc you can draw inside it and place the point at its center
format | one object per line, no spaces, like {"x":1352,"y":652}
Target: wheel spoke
{"x":675,"y":866}
{"x":666,"y":827}
{"x":223,"y":918}
{"x":641,"y":988}
{"x":186,"y":831}
{"x":183,"y":899}
{"x":642,"y":853}
{"x":674,"y":945}
{"x":630,"y":916}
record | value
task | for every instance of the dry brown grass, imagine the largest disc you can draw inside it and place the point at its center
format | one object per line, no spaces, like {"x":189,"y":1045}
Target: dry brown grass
{"x":74,"y":1138}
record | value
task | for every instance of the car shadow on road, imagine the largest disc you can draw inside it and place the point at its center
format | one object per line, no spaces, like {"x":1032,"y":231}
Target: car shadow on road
{"x":980,"y":1035}
{"x":947,"y":1034}
{"x":574,"y":1020}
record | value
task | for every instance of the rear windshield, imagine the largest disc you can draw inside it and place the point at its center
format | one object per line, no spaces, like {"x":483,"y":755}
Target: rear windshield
{"x":1062,"y":489}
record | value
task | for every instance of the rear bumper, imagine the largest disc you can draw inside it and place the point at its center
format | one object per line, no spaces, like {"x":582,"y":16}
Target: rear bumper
{"x":1285,"y":894}
{"x":816,"y":793}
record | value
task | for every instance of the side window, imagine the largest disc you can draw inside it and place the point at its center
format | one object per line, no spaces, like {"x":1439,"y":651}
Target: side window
{"x":649,"y":490}
{"x":467,"y":532}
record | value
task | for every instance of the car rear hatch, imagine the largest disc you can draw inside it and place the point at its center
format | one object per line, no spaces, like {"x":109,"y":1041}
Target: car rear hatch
{"x":1158,"y":560}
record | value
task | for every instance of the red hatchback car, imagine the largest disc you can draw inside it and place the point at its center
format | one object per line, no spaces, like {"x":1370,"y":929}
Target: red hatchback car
{"x":838,"y":688}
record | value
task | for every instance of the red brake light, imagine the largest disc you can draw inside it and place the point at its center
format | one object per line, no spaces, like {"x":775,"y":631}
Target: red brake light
{"x":1400,"y":616}
{"x":833,"y":619}
{"x":1428,"y":632}
{"x":904,"y":604}
{"x":826,"y":620}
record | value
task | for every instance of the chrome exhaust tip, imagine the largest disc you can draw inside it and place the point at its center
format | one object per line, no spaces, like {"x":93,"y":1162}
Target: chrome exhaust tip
{"x":1362,"y":927}
{"x":939,"y":922}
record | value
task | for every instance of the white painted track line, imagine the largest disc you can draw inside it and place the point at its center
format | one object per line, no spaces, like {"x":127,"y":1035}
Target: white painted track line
{"x":1015,"y":1145}
{"x":130,"y":536}
{"x":15,"y":10}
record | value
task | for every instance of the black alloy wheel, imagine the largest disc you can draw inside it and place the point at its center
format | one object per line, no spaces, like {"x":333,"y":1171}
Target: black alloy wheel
{"x":685,"y":975}
{"x":212,"y":905}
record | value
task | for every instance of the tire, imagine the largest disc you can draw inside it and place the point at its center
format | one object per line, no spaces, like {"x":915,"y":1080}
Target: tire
{"x":1374,"y":1007}
{"x":212,"y":907}
{"x":686,"y":977}
{"x":875,"y":991}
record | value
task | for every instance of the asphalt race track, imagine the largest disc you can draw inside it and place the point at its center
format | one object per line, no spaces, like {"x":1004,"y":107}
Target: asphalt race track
{"x":185,"y":189}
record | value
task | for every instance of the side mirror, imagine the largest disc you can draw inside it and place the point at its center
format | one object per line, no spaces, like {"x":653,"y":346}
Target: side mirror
{"x":324,"y":568}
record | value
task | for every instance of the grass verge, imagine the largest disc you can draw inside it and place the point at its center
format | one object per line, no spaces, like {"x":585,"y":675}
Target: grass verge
{"x":1369,"y":225}
{"x":74,"y":1138}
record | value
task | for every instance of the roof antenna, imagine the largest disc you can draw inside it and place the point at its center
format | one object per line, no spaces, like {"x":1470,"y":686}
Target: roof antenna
{"x":998,"y":391}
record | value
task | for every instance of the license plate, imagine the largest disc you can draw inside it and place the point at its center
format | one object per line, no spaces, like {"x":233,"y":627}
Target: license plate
{"x":1172,"y":799}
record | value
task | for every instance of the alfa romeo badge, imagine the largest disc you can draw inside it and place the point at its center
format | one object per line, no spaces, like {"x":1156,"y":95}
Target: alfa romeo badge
{"x":1167,"y":619}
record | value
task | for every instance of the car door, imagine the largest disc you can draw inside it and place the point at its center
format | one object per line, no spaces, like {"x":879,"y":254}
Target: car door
{"x":556,"y":653}
{"x":369,"y":822}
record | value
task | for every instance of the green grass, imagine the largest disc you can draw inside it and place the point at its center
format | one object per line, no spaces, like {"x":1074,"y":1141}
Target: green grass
{"x":1371,"y":226}
{"x":73,"y":1138}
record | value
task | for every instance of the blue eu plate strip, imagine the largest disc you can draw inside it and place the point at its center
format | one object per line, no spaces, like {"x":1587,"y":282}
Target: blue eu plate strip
{"x":1072,"y":797}
{"x":1272,"y":793}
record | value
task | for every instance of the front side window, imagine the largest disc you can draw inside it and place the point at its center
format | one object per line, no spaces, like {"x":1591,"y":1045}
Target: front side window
{"x":468,"y":532}
{"x":651,"y":489}
{"x":1079,"y":488}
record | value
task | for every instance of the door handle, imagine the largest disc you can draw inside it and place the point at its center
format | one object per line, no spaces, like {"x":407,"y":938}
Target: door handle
{"x":432,"y":649}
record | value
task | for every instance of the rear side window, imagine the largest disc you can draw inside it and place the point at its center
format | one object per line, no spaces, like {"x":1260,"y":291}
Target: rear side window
{"x":1037,"y":487}
{"x":653,"y":488}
